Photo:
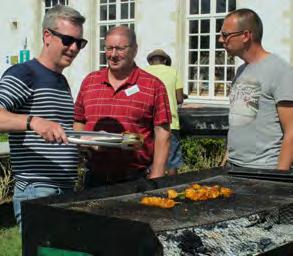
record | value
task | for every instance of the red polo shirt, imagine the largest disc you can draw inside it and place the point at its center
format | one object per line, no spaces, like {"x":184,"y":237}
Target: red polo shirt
{"x":137,"y":106}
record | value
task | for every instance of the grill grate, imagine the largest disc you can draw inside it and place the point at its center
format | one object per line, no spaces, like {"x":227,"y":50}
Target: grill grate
{"x":286,"y":214}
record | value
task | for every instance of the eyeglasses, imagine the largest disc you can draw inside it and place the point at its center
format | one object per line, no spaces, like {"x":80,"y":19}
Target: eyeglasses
{"x":226,"y":34}
{"x":69,"y":40}
{"x":119,"y":49}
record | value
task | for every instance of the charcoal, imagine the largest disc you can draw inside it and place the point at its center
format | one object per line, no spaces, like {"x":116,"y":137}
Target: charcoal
{"x":209,"y":227}
{"x":191,"y":243}
{"x":256,"y":220}
{"x":171,"y":237}
{"x":264,"y":243}
{"x":236,"y":239}
{"x":248,"y":247}
{"x":222,"y":225}
{"x":268,"y":226}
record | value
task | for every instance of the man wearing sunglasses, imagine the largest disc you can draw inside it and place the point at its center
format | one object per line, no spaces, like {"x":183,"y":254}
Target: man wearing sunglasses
{"x":261,"y":112}
{"x":36,"y":107}
{"x":124,"y":98}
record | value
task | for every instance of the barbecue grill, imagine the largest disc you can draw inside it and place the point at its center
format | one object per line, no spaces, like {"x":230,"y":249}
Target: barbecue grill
{"x":204,"y":121}
{"x":257,"y":219}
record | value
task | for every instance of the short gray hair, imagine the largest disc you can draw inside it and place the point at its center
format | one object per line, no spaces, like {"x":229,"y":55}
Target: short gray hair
{"x":125,"y":31}
{"x":62,"y":12}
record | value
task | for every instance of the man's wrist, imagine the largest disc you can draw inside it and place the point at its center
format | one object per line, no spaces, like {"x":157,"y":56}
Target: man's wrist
{"x":28,"y":122}
{"x":155,"y":173}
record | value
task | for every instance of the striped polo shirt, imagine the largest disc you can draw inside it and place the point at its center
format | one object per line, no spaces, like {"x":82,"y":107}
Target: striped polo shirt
{"x":31,"y":88}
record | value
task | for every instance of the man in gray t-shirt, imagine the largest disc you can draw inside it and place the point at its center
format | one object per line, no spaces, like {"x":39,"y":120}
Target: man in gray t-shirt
{"x":261,"y":113}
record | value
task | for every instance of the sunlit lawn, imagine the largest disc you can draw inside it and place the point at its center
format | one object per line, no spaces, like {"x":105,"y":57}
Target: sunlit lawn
{"x":10,"y":241}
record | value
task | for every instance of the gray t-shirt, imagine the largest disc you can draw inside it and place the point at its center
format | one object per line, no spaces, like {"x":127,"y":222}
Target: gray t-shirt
{"x":255,"y":133}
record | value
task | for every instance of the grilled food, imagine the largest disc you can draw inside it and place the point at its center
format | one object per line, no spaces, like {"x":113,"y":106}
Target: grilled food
{"x":158,"y":201}
{"x":197,"y":192}
{"x":172,"y":193}
{"x":133,"y":139}
{"x":226,"y":192}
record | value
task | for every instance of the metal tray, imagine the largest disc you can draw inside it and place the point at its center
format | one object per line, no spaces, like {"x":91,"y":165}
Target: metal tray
{"x":101,"y":138}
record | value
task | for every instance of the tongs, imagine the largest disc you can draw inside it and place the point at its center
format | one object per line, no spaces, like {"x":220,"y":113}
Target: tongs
{"x":92,"y":133}
{"x":124,"y":140}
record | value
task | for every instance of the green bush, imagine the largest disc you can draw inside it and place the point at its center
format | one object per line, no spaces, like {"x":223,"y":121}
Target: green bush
{"x":3,"y":137}
{"x":201,"y":153}
{"x":6,"y":180}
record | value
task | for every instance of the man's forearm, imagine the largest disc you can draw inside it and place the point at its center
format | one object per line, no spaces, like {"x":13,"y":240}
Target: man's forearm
{"x":10,"y":122}
{"x":161,"y":151}
{"x":286,"y":153}
{"x":285,"y":111}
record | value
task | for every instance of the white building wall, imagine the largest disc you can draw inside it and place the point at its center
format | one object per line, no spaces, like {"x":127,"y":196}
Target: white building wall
{"x":159,"y":24}
{"x":85,"y":61}
{"x":18,"y":21}
{"x":21,"y":19}
{"x":277,"y":22}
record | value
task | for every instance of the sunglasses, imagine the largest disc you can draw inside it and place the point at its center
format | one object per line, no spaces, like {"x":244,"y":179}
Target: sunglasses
{"x":226,"y":34}
{"x":69,"y":40}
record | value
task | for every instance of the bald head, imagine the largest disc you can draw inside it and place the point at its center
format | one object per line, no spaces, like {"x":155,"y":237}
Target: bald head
{"x":248,"y":20}
{"x":123,"y":31}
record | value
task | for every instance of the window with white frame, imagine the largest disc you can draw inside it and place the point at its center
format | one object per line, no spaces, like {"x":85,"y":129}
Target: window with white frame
{"x":50,"y":3}
{"x":210,"y":69}
{"x":112,"y":13}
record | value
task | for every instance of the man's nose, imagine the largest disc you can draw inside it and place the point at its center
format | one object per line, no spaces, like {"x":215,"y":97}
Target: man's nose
{"x":74,"y":47}
{"x":114,"y":52}
{"x":221,"y":39}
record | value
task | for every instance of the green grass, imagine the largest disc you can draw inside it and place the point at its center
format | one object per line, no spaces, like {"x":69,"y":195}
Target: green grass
{"x":10,"y":241}
{"x":3,"y":137}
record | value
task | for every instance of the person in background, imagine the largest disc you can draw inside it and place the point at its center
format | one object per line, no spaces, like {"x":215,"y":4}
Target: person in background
{"x":261,"y":113}
{"x":124,"y":98}
{"x":160,"y":63}
{"x":36,"y":107}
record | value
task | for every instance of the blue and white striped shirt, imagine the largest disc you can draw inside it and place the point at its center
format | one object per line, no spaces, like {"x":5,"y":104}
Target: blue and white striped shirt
{"x":31,"y":88}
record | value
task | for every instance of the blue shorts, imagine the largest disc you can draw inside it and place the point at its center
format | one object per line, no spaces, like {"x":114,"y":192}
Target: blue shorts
{"x":175,"y":154}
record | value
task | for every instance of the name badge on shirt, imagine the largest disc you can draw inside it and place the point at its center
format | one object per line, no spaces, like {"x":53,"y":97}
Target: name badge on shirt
{"x":132,"y":90}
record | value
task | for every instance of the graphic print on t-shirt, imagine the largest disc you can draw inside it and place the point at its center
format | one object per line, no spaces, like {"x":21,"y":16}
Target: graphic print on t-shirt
{"x":244,"y":100}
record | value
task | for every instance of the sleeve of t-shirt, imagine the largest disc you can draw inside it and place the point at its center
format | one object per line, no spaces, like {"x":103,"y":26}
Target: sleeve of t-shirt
{"x":162,"y":113}
{"x":15,"y":87}
{"x":283,"y":85}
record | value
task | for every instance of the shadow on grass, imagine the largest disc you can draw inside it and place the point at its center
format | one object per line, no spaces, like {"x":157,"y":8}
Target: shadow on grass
{"x":7,"y":219}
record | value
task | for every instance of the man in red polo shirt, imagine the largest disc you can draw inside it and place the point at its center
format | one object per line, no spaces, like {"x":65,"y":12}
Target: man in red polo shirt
{"x":122,"y":98}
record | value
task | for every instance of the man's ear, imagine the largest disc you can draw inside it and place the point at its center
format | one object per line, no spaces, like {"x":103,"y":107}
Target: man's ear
{"x":247,"y":35}
{"x":47,"y":37}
